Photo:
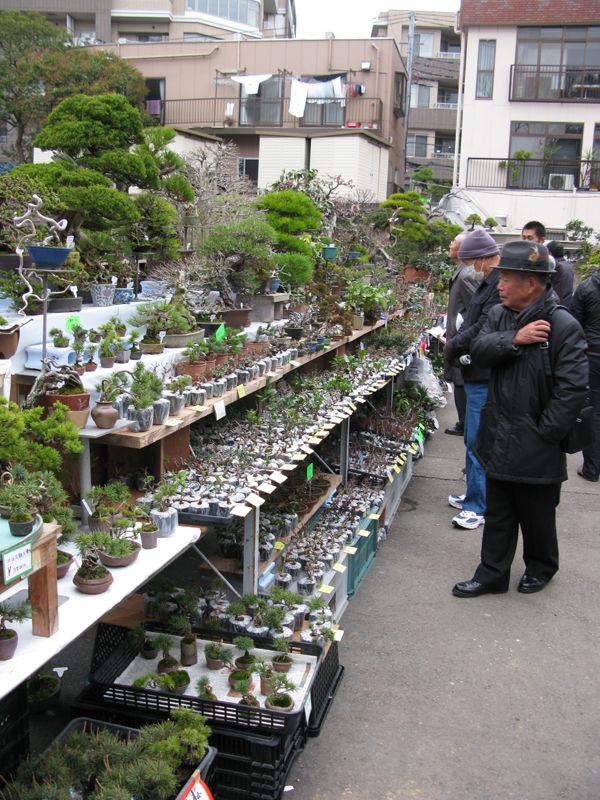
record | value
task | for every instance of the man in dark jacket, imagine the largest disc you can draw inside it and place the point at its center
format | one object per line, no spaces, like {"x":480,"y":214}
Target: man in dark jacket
{"x":586,"y":310}
{"x":539,"y":375}
{"x":563,"y":277}
{"x":460,"y":291}
{"x":480,"y":250}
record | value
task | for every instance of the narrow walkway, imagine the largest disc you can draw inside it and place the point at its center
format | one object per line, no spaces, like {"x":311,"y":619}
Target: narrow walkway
{"x":491,"y":698}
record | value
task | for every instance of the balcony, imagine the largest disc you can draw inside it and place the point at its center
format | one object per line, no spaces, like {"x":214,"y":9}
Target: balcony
{"x":441,"y":117}
{"x":447,"y":54}
{"x":256,"y":112}
{"x":552,"y":84}
{"x":532,"y":173}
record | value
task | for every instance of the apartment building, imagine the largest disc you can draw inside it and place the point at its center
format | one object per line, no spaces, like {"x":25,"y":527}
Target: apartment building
{"x":336,"y":106}
{"x":530,"y":132}
{"x":434,"y":85}
{"x":106,"y":21}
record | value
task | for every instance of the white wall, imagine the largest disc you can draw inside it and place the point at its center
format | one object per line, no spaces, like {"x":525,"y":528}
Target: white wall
{"x":356,"y":158}
{"x":277,"y":154}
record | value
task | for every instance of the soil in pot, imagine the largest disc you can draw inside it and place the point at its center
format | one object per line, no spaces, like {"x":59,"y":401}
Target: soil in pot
{"x":282,"y":666}
{"x":63,"y":563}
{"x":279,"y":702}
{"x":42,"y":692}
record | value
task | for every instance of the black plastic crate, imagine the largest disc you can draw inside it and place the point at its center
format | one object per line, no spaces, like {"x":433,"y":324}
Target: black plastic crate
{"x":149,"y":703}
{"x":324,"y":687}
{"x":14,"y":729}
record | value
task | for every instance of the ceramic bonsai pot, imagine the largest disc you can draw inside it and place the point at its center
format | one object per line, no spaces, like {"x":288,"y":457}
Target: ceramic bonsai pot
{"x":93,"y":585}
{"x":105,"y":415}
{"x":119,"y":561}
{"x":9,"y":340}
{"x":102,"y":294}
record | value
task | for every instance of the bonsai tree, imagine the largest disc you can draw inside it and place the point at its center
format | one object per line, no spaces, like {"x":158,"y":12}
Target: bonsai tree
{"x":174,"y":681}
{"x":204,"y":689}
{"x":108,"y":499}
{"x":245,"y":643}
{"x":247,"y":698}
{"x":11,"y":613}
{"x":180,"y":384}
{"x":58,"y":338}
{"x":273,"y":617}
{"x":168,"y":488}
{"x":280,"y":699}
{"x":110,"y":388}
{"x":472,"y":220}
{"x":170,"y":316}
{"x":283,"y":660}
{"x":146,"y":387}
{"x":217,"y":655}
{"x":165,"y":643}
{"x":489,"y":223}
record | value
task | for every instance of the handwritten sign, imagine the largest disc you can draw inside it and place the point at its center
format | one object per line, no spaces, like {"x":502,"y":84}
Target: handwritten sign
{"x":241,"y":391}
{"x":219,"y":409}
{"x":16,"y":562}
{"x":350,"y":550}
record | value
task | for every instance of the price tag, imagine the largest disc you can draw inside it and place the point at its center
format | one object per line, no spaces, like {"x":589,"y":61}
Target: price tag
{"x":396,"y":469}
{"x":278,"y":477}
{"x":72,"y":321}
{"x":402,"y":459}
{"x":338,"y":635}
{"x":413,"y":449}
{"x":219,"y":409}
{"x":306,"y":449}
{"x":352,"y":406}
{"x":337,"y":420}
{"x":340,"y":568}
{"x":220,"y":332}
{"x":299,"y":456}
{"x":279,"y":545}
{"x":364,"y":533}
{"x":360,"y":400}
{"x":255,"y":500}
{"x":390,"y":476}
{"x":322,"y":434}
{"x":374,"y":516}
{"x":267,"y":488}
{"x":329,"y":426}
{"x":294,"y":363}
{"x":350,"y":550}
{"x":325,"y":588}
{"x":172,"y":422}
{"x":241,"y":511}
{"x":310,"y":471}
{"x":289,"y":467}
{"x":16,"y":562}
{"x":241,"y":390}
{"x":314,"y":440}
{"x":198,"y":408}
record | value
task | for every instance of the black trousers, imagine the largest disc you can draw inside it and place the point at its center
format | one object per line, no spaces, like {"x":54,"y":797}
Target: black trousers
{"x":533,"y":508}
{"x":460,"y":401}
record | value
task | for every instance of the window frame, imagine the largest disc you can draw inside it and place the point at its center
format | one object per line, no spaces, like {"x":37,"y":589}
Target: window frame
{"x":485,"y":71}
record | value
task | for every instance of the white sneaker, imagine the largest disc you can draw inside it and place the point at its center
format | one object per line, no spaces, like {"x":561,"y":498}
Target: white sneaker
{"x":456,"y":500}
{"x":468,"y":519}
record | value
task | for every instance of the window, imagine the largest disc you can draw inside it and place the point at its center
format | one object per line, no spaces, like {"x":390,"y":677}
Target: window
{"x":244,"y":11}
{"x":424,"y":45}
{"x":399,"y":91}
{"x":416,"y":146}
{"x":484,"y":88}
{"x":539,"y":151}
{"x":419,"y":95}
{"x":264,"y":107}
{"x":199,"y":37}
{"x":248,"y":168}
{"x":444,"y":146}
{"x":155,"y":96}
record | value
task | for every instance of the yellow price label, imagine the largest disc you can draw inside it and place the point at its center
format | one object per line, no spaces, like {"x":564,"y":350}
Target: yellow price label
{"x":374,"y":516}
{"x":396,"y":469}
{"x":241,"y":390}
{"x":279,"y":546}
{"x":340,"y":568}
{"x":198,"y":408}
{"x":350,"y":550}
{"x":326,"y":588}
{"x":364,"y":533}
{"x":172,"y":422}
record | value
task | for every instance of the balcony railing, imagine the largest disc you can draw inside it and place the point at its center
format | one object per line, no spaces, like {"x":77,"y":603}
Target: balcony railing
{"x":532,"y":173}
{"x":447,"y":54}
{"x":555,"y":84}
{"x":436,"y":119}
{"x":256,"y":112}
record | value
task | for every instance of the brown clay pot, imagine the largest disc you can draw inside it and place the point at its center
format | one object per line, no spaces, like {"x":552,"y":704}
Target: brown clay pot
{"x":93,"y":585}
{"x":189,"y":653}
{"x":107,"y":362}
{"x":62,"y":569}
{"x":281,"y":666}
{"x":119,"y":561}
{"x":273,"y":707}
{"x":266,"y":687}
{"x":214,"y":663}
{"x":236,"y":317}
{"x":195,"y":371}
{"x":74,"y":402}
{"x":8,"y":645}
{"x":105,"y":415}
{"x":9,"y":341}
{"x":149,"y":539}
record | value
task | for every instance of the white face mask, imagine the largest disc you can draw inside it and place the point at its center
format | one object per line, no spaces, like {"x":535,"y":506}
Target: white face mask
{"x":473,"y":273}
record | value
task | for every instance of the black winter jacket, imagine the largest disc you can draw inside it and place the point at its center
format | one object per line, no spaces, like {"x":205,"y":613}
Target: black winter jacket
{"x":585,"y":307}
{"x":484,"y":299}
{"x":521,"y":424}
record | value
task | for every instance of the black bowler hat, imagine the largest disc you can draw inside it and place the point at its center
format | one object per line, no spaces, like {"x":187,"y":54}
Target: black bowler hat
{"x":526,"y":257}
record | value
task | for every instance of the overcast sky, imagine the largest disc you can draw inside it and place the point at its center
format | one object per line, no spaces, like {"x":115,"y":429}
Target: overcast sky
{"x":352,"y":19}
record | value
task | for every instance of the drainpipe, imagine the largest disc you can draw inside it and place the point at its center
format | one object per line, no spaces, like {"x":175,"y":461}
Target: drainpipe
{"x":459,"y":110}
{"x":376,"y":48}
{"x":412,"y":17}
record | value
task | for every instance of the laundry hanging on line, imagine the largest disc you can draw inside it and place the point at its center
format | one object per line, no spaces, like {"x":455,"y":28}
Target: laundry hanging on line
{"x":317,"y":92}
{"x":251,"y":83}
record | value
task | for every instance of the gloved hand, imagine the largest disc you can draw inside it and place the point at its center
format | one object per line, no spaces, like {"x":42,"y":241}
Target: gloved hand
{"x":465,"y":360}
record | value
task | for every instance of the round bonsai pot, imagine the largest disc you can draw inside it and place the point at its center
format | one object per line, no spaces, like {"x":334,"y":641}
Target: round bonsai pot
{"x":195,"y":371}
{"x":74,"y":402}
{"x":9,"y":340}
{"x":214,"y":663}
{"x":107,"y":362}
{"x":183,"y":339}
{"x":20,"y":528}
{"x":65,"y":566}
{"x":8,"y":644}
{"x":276,"y":707}
{"x":93,"y":585}
{"x":42,"y":692}
{"x":152,"y":347}
{"x":236,"y":317}
{"x":102,"y":294}
{"x":57,"y":305}
{"x":281,"y":666}
{"x":119,"y":561}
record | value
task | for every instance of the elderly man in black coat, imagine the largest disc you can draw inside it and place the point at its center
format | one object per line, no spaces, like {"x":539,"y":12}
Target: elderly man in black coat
{"x":539,"y":374}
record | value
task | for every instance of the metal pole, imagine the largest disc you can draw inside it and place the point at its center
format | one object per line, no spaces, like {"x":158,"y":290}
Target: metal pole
{"x":344,"y":448}
{"x":215,"y":570}
{"x":45,"y":319}
{"x":250,"y":576}
{"x":389,"y":396}
{"x":409,"y":62}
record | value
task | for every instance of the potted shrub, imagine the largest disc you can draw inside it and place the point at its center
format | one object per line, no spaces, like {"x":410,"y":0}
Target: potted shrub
{"x":244,"y":687}
{"x":204,"y":690}
{"x":283,"y":661}
{"x":106,"y":501}
{"x":104,"y":414}
{"x":146,"y":644}
{"x":175,"y":681}
{"x":63,"y":563}
{"x":9,"y":638}
{"x":237,"y":675}
{"x":133,"y":342}
{"x":9,"y":337}
{"x":265,"y":672}
{"x":181,"y":626}
{"x":245,"y":643}
{"x":115,"y":548}
{"x":58,"y":338}
{"x":146,"y":528}
{"x":106,"y":351}
{"x":217,"y":655}
{"x":194,"y":363}
{"x":22,"y":518}
{"x":171,"y":317}
{"x":165,"y":516}
{"x":91,"y":577}
{"x":43,"y":690}
{"x":145,"y":390}
{"x":175,"y":393}
{"x":61,"y":385}
{"x":280,"y":699}
{"x":167,"y":663}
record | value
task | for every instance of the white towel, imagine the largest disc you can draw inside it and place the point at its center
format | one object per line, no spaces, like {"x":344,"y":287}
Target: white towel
{"x":298,"y":94}
{"x":251,"y":82}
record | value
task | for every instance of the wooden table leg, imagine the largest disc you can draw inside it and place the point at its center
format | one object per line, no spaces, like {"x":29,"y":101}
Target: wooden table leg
{"x":43,"y":592}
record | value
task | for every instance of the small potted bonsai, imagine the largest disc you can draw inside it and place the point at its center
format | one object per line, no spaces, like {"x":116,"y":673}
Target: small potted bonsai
{"x":58,"y":338}
{"x":244,"y":687}
{"x":9,"y":638}
{"x":204,"y":690}
{"x":106,"y":351}
{"x":91,"y":577}
{"x":164,"y":515}
{"x":280,"y":699}
{"x":107,"y":501}
{"x":104,"y":414}
{"x":283,"y":661}
{"x":244,"y":643}
{"x":217,"y":655}
{"x":145,"y":393}
{"x":175,"y":394}
{"x":22,"y":517}
{"x":43,"y":690}
{"x":167,"y":663}
{"x":265,"y":672}
{"x":188,"y":644}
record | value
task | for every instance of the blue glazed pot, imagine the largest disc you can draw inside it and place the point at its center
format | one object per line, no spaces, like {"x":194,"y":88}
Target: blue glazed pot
{"x":48,"y":257}
{"x":123,"y":296}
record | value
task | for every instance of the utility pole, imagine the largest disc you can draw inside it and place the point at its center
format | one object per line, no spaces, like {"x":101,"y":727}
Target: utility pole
{"x":412,"y":17}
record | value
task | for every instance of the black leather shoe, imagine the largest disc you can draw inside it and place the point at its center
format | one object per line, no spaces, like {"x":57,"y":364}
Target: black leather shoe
{"x":528,"y":584}
{"x":474,"y":589}
{"x":457,"y":430}
{"x":582,"y":475}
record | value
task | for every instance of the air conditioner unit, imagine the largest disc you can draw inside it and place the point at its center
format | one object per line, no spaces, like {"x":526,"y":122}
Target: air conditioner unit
{"x":559,"y":181}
